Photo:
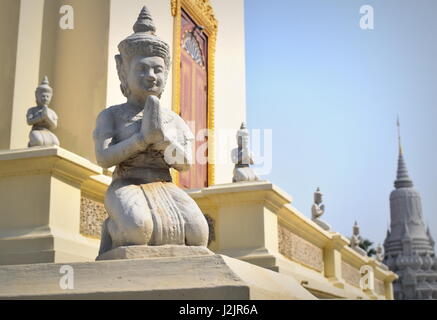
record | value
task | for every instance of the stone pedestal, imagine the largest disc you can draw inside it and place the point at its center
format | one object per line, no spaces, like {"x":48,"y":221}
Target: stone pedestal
{"x":145,"y":252}
{"x":40,"y":192}
{"x":195,"y":277}
{"x":244,"y":219}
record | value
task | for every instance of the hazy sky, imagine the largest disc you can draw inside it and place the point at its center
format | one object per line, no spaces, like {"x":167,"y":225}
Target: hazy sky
{"x":331,"y":91}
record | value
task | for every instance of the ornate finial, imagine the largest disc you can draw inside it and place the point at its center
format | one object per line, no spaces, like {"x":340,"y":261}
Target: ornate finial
{"x":44,"y":85}
{"x":402,"y":178}
{"x":399,"y":136}
{"x":144,"y":22}
{"x":45,"y":81}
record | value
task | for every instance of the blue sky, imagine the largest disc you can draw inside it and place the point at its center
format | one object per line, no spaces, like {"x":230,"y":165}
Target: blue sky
{"x":331,"y":92}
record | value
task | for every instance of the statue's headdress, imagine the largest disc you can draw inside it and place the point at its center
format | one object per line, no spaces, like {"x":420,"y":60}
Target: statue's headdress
{"x":143,"y":41}
{"x":243,"y":130}
{"x":44,"y":86}
{"x":318,"y":196}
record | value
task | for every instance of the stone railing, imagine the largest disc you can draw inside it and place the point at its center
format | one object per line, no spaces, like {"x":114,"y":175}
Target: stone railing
{"x":255,"y":222}
{"x":52,"y":210}
{"x":43,"y":191}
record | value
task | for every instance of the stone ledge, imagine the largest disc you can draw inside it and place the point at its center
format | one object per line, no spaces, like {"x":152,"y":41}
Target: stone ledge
{"x":214,"y":277}
{"x":145,"y":252}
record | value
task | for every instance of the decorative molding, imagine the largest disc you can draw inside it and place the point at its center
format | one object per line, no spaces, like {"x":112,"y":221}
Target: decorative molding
{"x":92,"y":215}
{"x":350,"y":274}
{"x":191,"y":45}
{"x":202,"y":13}
{"x":300,"y":250}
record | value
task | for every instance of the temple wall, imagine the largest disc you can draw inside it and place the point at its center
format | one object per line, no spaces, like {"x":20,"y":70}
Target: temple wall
{"x":230,"y":84}
{"x":21,"y":27}
{"x":81,"y":68}
{"x":9,"y":21}
{"x":122,"y":17}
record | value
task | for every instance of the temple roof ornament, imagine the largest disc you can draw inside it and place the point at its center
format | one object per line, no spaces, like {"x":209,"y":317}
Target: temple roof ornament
{"x":409,"y":247}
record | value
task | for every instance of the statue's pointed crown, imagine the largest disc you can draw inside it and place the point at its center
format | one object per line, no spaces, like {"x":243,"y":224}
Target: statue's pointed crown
{"x":144,"y":41}
{"x":144,"y":22}
{"x":318,"y":200}
{"x":243,"y":130}
{"x":356,"y":229}
{"x":44,"y":85}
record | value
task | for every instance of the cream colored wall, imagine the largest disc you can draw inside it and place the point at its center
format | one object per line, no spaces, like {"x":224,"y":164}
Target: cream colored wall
{"x":230,"y":79}
{"x":123,"y":14}
{"x":9,"y":20}
{"x":74,"y":60}
{"x":81,"y":68}
{"x":80,"y":74}
{"x":23,"y":73}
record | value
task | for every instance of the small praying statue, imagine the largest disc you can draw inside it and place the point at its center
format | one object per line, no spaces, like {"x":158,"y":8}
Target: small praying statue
{"x":243,"y":158}
{"x":42,"y":118}
{"x":144,"y":140}
{"x":318,"y":209}
{"x":379,"y":253}
{"x":356,"y":239}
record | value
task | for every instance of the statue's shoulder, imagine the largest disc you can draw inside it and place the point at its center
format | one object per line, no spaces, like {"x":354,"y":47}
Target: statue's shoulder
{"x":105,"y":121}
{"x":110,"y":113}
{"x":112,"y":110}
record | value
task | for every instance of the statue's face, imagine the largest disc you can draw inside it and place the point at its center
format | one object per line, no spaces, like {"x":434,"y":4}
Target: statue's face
{"x":317,"y":198}
{"x":43,"y":97}
{"x":146,"y":75}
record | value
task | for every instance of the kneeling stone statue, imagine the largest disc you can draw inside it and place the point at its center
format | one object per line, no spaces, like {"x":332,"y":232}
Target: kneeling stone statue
{"x":144,"y":140}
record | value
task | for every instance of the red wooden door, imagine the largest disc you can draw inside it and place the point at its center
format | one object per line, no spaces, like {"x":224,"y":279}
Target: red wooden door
{"x":194,"y":99}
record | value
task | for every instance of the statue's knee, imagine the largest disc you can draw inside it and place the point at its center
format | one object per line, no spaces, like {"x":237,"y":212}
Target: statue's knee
{"x":197,"y":233}
{"x":35,"y":138}
{"x":139,"y":229}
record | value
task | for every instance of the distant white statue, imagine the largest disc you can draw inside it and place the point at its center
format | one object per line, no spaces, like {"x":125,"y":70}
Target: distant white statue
{"x":318,"y":209}
{"x":42,"y":118}
{"x":243,"y":158}
{"x":379,"y":253}
{"x":356,"y":240}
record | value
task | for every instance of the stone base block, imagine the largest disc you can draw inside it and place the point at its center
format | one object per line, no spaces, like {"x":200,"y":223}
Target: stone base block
{"x":144,"y":252}
{"x":214,"y":277}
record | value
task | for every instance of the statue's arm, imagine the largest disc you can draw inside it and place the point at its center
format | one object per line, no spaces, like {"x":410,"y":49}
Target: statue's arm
{"x":110,"y":155}
{"x":33,"y":117}
{"x":168,"y":133}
